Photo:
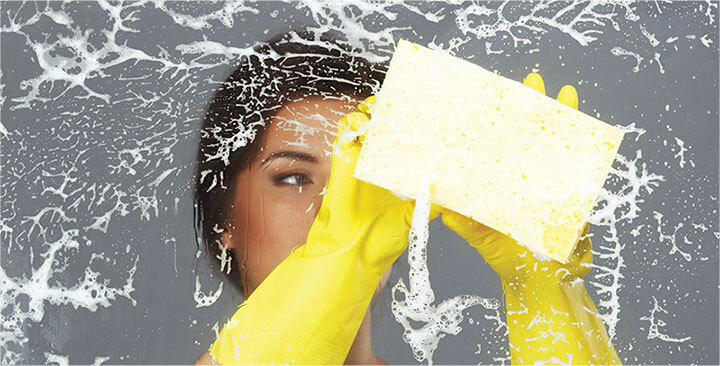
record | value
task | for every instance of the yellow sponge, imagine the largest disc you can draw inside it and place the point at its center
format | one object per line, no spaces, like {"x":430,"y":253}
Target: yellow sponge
{"x":501,"y":153}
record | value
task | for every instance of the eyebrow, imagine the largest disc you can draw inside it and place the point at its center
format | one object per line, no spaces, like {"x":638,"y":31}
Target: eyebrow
{"x":290,"y":154}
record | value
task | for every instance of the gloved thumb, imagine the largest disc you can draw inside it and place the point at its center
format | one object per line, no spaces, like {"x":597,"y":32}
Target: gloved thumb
{"x":472,"y":231}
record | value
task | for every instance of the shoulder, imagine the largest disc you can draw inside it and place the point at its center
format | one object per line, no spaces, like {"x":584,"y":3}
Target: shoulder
{"x":206,"y":359}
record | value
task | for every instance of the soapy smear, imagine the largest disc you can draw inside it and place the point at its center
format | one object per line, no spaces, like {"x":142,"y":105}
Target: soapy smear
{"x":97,"y":119}
{"x":619,"y":51}
{"x":203,"y":299}
{"x":418,"y":297}
{"x":56,"y":359}
{"x":656,"y":324}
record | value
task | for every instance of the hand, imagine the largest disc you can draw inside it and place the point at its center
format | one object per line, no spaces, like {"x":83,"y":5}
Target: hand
{"x":353,"y":208}
{"x":308,"y":310}
{"x":513,"y":262}
{"x":543,"y":298}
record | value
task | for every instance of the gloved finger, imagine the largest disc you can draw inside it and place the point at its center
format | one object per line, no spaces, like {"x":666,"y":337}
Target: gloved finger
{"x":435,"y":211}
{"x":353,"y":124}
{"x":579,"y":263}
{"x":340,"y":182}
{"x":350,"y":127}
{"x":472,"y":231}
{"x":367,"y":105}
{"x":346,"y":149}
{"x":568,"y":96}
{"x":535,"y":81}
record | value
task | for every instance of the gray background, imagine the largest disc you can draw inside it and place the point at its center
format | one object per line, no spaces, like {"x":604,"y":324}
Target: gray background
{"x":60,"y":147}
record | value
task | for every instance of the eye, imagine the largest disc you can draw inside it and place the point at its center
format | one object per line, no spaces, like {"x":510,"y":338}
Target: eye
{"x":296,"y":179}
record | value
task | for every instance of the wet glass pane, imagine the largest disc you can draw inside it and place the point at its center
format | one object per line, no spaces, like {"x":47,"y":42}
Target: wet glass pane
{"x":161,"y":159}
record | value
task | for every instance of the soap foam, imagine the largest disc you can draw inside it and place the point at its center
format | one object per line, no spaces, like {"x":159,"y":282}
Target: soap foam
{"x":68,"y":87}
{"x":418,"y":299}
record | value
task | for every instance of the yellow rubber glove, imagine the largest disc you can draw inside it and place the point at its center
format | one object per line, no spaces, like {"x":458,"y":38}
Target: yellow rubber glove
{"x":308,"y":310}
{"x":550,"y":315}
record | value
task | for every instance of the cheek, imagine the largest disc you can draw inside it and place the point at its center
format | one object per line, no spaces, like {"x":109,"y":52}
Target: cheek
{"x":271,"y":223}
{"x":288,"y":220}
{"x":275,"y":222}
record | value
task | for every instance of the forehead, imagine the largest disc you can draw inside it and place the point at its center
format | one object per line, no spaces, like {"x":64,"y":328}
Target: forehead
{"x":307,"y":123}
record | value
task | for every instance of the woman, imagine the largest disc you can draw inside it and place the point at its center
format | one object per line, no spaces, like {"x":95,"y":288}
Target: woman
{"x":278,"y":215}
{"x":275,"y":182}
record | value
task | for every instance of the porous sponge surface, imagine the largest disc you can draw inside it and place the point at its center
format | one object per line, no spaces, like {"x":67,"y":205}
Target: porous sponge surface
{"x":501,"y":153}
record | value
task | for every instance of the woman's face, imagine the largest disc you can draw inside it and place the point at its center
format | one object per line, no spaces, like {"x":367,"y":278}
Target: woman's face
{"x":278,"y":195}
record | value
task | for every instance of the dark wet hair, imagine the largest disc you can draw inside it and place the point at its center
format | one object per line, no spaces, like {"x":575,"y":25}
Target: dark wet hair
{"x":241,"y":109}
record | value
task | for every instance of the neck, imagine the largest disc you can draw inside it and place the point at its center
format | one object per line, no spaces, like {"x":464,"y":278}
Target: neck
{"x":361,"y":352}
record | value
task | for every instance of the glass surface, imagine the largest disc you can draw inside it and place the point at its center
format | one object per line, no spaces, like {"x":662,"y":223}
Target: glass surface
{"x":102,"y":105}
